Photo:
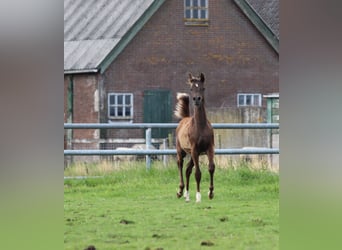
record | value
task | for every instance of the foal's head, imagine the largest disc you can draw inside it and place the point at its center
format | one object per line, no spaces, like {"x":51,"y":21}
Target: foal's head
{"x":197,"y":88}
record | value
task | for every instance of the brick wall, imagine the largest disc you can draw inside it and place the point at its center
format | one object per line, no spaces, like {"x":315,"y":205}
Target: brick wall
{"x":85,"y":110}
{"x":230,"y":51}
{"x":85,"y":107}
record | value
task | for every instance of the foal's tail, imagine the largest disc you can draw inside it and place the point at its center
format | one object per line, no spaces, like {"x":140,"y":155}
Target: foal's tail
{"x":182,"y":107}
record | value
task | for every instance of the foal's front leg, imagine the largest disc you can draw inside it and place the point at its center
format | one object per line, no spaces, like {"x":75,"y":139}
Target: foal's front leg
{"x":187,"y":175}
{"x":180,"y":157}
{"x":198,"y":174}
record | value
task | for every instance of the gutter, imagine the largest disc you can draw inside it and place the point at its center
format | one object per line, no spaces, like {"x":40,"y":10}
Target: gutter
{"x":80,"y":71}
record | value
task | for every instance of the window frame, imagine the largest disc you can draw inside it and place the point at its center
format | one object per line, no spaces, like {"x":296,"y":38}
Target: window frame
{"x":190,"y":18}
{"x":252,"y":96}
{"x":122,"y":105}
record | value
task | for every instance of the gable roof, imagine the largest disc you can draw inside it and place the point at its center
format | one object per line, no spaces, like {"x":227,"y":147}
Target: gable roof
{"x":95,"y":32}
{"x":264,"y":14}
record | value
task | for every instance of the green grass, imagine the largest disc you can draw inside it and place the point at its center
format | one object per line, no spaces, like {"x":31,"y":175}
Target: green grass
{"x":131,"y":208}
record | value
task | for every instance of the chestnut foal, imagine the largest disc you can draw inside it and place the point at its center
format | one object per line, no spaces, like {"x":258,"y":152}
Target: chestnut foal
{"x":194,"y":136}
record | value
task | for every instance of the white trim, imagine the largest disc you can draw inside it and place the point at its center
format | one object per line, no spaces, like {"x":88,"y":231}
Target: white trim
{"x":273,"y":95}
{"x":197,"y":9}
{"x":123,"y":105}
{"x":80,"y":71}
{"x":252,"y":101}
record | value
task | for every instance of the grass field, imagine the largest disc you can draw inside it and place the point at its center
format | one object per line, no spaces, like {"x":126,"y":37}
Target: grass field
{"x":131,"y":208}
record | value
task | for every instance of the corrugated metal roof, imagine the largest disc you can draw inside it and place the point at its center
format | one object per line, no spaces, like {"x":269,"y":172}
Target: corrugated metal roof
{"x":92,"y":29}
{"x":86,"y":55}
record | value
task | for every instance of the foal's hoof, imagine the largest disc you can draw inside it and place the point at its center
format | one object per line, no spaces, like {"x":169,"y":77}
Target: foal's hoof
{"x":211,"y":195}
{"x":179,"y":195}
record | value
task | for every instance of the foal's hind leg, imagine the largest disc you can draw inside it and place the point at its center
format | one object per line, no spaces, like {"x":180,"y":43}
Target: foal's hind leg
{"x":180,"y":157}
{"x":210,"y":154}
{"x":189,"y":167}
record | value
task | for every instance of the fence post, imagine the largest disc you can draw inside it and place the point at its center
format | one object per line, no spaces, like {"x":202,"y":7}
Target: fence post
{"x":165,"y":157}
{"x":148,"y":146}
{"x":269,"y":131}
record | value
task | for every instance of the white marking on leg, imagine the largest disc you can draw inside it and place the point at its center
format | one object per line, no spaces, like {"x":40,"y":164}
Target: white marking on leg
{"x":198,"y":197}
{"x":187,"y":196}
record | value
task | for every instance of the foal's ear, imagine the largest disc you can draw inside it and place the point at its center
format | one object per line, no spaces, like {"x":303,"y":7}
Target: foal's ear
{"x":202,"y":77}
{"x":189,"y":79}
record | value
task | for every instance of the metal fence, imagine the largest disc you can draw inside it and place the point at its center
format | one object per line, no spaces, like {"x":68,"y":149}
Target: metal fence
{"x":149,"y":126}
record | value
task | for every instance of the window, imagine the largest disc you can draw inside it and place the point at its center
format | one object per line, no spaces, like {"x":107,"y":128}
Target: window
{"x":120,"y":106}
{"x":249,"y":100}
{"x":196,"y":12}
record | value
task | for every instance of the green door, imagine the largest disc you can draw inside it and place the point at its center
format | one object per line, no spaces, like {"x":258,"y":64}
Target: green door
{"x":158,"y":109}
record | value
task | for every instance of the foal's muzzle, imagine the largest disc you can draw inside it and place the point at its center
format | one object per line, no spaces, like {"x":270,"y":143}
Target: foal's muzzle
{"x":197,"y":100}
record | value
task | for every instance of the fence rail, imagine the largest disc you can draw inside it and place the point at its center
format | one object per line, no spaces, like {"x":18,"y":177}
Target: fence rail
{"x":148,"y":126}
{"x":167,"y":151}
{"x":167,"y":125}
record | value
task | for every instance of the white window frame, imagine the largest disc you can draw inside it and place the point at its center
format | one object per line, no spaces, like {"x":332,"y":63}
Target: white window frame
{"x":248,"y":100}
{"x":117,"y":106}
{"x":195,"y":13}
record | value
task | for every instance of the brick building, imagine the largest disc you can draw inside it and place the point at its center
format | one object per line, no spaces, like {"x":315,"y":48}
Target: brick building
{"x":125,"y":60}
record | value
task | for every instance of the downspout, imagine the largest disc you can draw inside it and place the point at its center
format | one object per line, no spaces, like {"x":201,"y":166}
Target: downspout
{"x":70,"y":110}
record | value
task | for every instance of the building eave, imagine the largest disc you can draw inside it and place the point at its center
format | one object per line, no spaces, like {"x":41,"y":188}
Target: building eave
{"x":258,"y":22}
{"x":80,"y":71}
